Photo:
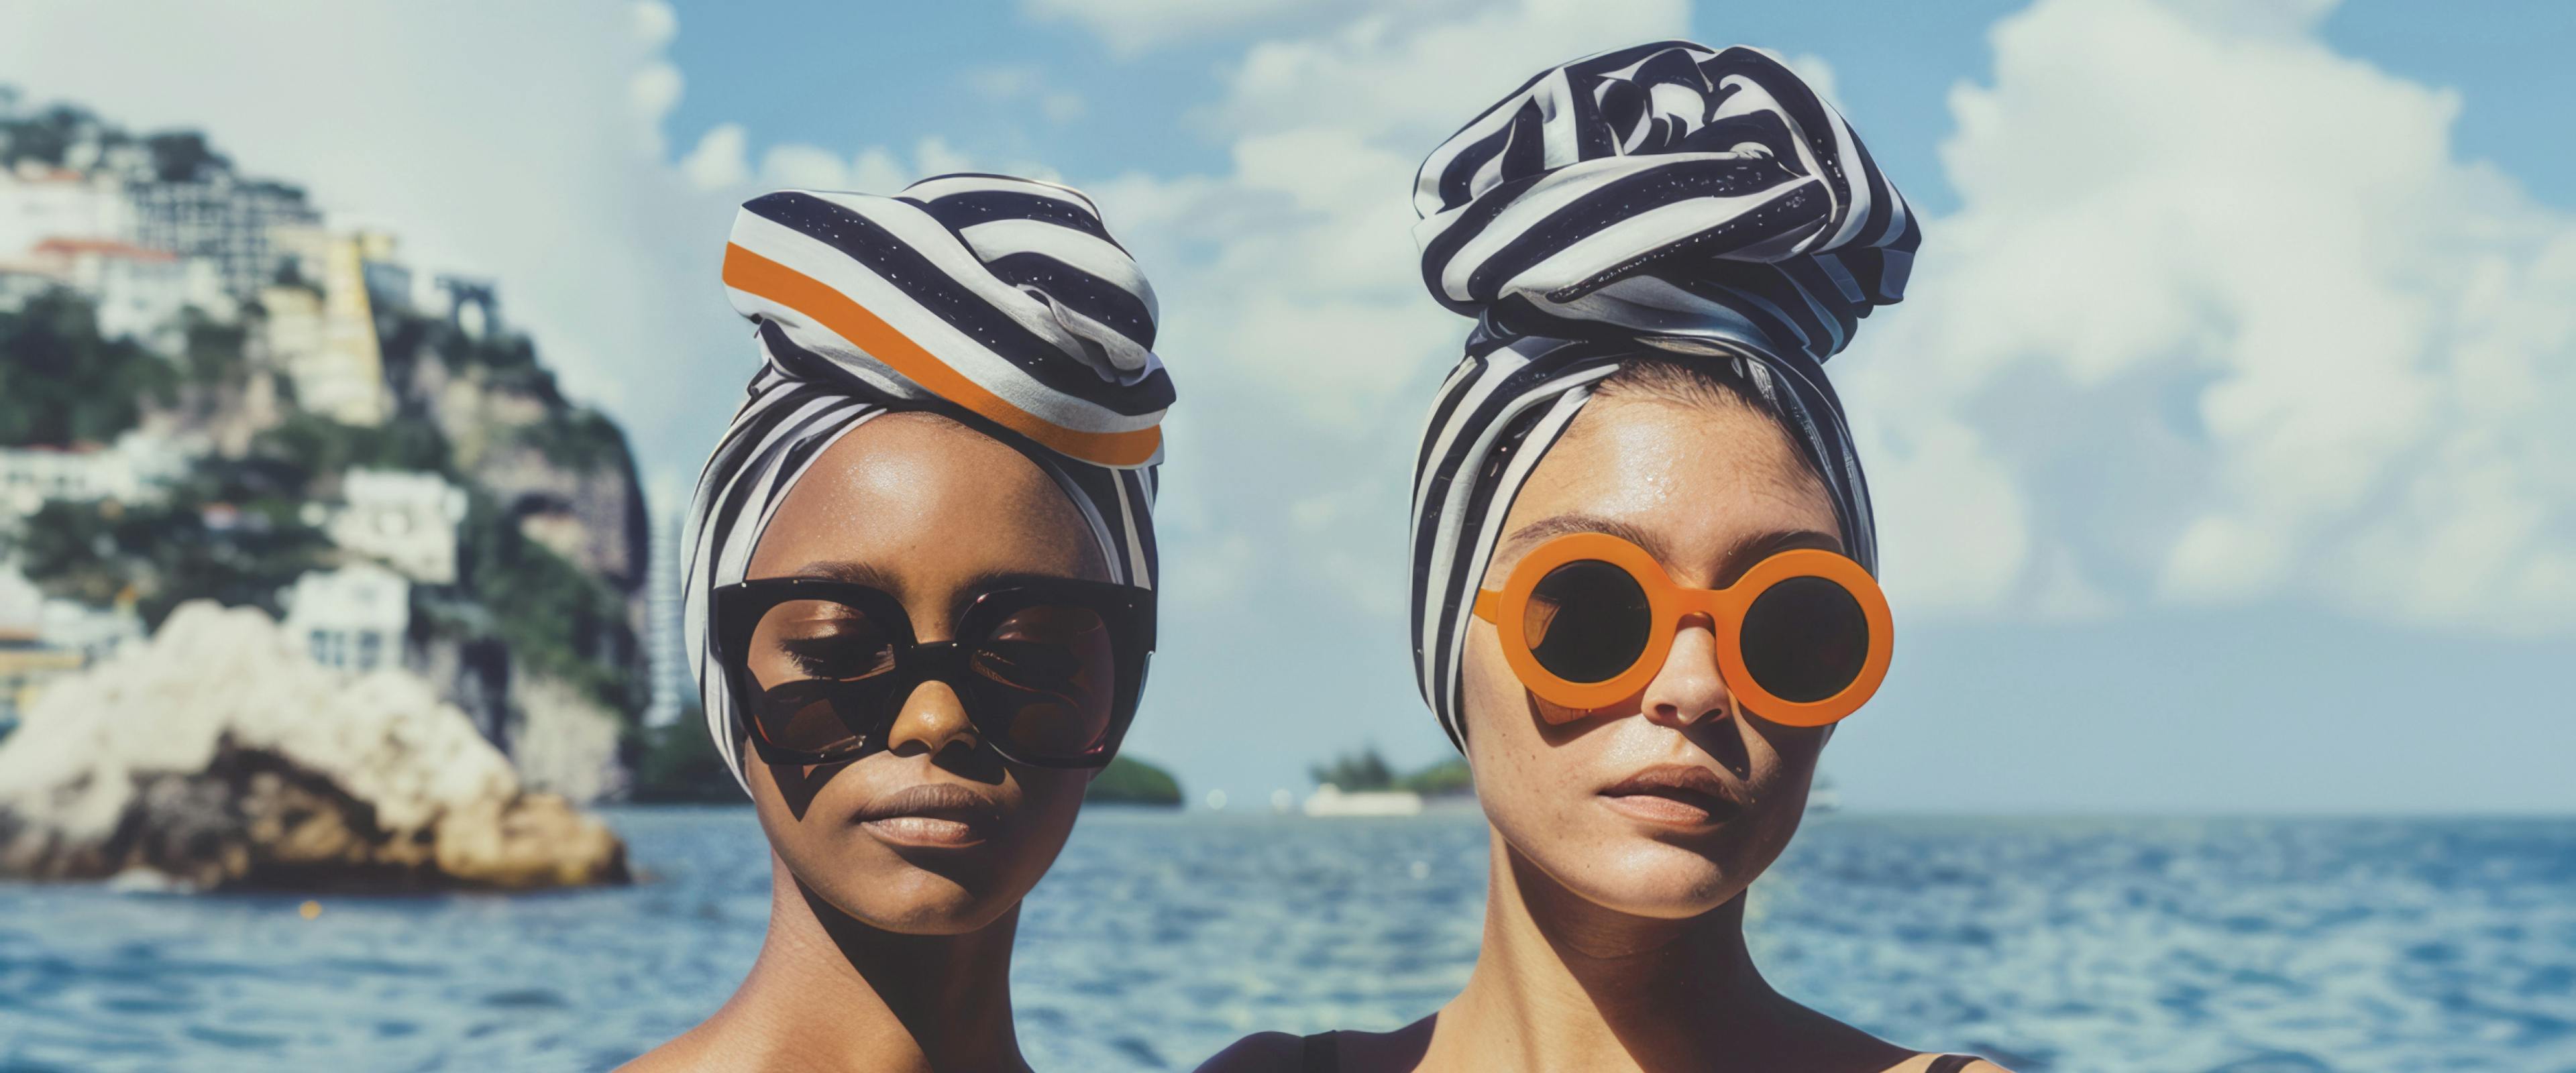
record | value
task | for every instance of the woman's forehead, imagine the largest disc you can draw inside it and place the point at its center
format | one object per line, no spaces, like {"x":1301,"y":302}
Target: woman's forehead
{"x":1693,"y":481}
{"x":920,"y":495}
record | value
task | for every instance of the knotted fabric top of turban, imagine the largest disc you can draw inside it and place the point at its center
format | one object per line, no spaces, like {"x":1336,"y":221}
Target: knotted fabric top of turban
{"x":1667,"y":199}
{"x":1000,"y":302}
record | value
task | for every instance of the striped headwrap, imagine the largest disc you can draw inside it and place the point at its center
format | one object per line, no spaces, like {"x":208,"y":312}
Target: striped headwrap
{"x":1669,"y":200}
{"x":999,"y":302}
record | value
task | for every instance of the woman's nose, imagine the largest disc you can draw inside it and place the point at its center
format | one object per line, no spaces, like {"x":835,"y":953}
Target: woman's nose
{"x":1689,"y":687}
{"x":933,"y":716}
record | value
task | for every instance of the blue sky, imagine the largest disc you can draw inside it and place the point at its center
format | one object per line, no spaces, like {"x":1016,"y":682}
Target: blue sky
{"x":2216,"y":448}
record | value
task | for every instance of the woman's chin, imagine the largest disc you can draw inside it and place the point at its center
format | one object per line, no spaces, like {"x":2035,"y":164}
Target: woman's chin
{"x":917,"y":903}
{"x":1648,"y":878}
{"x":925,"y":916}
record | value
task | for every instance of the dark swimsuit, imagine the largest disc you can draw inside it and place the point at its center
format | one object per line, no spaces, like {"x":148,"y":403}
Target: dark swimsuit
{"x":1324,"y":1055}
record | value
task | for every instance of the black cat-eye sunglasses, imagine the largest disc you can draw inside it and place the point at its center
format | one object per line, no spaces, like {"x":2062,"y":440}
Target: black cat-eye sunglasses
{"x":1049,"y":669}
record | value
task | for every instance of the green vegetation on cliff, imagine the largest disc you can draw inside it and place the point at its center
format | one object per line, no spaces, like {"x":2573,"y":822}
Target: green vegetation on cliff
{"x":166,"y":553}
{"x":61,"y":383}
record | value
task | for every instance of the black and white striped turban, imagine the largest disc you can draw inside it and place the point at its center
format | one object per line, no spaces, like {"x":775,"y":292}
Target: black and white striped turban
{"x":1667,"y":199}
{"x":1000,"y":302}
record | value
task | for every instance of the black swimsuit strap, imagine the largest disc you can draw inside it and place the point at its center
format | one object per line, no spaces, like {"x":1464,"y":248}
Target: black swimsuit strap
{"x":1324,"y":1055}
{"x":1324,"y":1052}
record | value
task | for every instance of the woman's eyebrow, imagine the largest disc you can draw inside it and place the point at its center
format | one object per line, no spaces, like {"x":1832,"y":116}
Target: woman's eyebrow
{"x":995,"y":579}
{"x":990,"y":580}
{"x":1561,"y":524}
{"x":851,"y":573}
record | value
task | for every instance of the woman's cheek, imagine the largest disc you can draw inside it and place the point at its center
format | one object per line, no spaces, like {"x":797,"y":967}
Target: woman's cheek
{"x":1515,"y":777}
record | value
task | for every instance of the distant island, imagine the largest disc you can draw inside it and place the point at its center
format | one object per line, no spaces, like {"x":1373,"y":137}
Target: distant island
{"x":1129,"y":781}
{"x":1366,"y":772}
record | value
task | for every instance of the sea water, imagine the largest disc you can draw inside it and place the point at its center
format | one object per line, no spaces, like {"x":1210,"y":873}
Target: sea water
{"x":2250,"y":946}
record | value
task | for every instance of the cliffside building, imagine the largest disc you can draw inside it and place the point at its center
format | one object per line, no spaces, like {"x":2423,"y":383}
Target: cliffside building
{"x":353,"y":618}
{"x":321,"y":327}
{"x":224,"y":219}
{"x":133,"y":470}
{"x":138,"y":291}
{"x":38,"y":202}
{"x":403,"y":519}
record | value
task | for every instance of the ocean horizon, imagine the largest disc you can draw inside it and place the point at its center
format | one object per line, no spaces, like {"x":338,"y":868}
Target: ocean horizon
{"x":2200,"y":943}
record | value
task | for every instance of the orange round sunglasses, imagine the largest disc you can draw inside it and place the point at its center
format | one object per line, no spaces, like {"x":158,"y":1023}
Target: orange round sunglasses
{"x":1587,"y":619}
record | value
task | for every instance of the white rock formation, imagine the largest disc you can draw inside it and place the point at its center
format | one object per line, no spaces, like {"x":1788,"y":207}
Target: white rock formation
{"x":563,"y":742}
{"x":220,"y":756}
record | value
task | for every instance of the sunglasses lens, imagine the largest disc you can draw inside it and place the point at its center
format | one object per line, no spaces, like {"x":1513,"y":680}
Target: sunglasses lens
{"x":1805,"y":639}
{"x":1587,"y":621}
{"x":1045,"y":681}
{"x":819,"y":673}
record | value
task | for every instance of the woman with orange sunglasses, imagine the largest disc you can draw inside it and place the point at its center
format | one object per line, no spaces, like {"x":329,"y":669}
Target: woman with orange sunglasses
{"x":1642,"y":554}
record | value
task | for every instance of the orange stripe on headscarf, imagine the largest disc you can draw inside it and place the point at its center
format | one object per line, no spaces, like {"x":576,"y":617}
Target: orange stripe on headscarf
{"x":754,"y":274}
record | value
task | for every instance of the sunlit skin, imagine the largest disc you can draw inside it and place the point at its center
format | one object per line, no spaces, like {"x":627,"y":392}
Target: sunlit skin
{"x":890,"y":935}
{"x":1614,"y":925}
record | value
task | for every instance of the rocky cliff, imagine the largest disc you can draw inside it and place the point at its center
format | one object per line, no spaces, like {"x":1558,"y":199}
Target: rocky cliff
{"x":535,"y":638}
{"x":552,"y":475}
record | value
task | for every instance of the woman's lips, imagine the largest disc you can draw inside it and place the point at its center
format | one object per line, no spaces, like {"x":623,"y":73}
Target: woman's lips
{"x":1678,"y":795}
{"x":931,"y":814}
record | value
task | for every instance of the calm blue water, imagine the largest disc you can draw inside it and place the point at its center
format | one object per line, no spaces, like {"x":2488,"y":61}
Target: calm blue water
{"x":2238,"y":945}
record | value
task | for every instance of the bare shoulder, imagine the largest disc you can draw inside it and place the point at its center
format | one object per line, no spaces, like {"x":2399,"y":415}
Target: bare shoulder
{"x":692,"y":1052}
{"x":1260,"y":1052}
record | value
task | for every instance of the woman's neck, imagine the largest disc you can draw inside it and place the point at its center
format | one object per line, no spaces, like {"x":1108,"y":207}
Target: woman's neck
{"x":831,"y":993}
{"x":1563,"y":983}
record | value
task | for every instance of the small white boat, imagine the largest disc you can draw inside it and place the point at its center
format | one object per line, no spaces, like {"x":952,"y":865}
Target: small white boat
{"x":1331,"y":800}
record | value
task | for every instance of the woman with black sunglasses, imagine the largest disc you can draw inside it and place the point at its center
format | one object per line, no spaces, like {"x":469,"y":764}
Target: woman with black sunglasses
{"x":1643,"y":554}
{"x":920,"y":598}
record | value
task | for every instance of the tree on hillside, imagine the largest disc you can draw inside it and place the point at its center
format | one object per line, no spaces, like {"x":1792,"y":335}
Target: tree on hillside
{"x":181,"y":156}
{"x":45,"y":136}
{"x":61,"y":383}
{"x":167,"y":553}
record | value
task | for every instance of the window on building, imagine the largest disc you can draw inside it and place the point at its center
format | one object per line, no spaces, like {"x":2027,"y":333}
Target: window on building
{"x":370,"y":646}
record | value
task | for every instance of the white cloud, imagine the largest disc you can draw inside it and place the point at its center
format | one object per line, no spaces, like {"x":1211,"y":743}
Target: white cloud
{"x":2223,"y":317}
{"x":655,"y":22}
{"x":805,"y":166}
{"x":657,"y":85}
{"x":720,"y":160}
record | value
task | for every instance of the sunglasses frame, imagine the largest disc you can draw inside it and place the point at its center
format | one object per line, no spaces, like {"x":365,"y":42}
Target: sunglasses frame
{"x":1127,"y":610}
{"x":1668,"y":603}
